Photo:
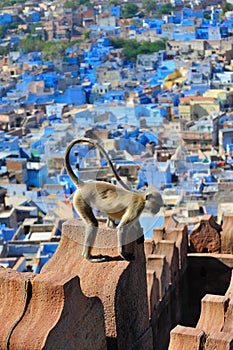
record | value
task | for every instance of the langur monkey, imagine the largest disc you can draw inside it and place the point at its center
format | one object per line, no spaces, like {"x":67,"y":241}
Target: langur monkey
{"x":118,"y":203}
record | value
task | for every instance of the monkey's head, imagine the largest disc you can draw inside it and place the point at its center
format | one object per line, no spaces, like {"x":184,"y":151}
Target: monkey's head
{"x":154,"y":200}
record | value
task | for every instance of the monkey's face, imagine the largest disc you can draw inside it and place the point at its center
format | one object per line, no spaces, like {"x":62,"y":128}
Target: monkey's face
{"x":154,"y":202}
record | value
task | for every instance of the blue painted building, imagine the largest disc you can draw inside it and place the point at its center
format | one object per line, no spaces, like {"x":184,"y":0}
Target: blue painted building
{"x":8,"y":143}
{"x":116,"y":11}
{"x":5,"y":18}
{"x":37,"y":174}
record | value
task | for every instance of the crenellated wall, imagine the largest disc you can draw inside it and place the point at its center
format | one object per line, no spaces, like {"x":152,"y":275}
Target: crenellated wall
{"x":214,"y":329}
{"x":143,"y":304}
{"x":166,"y":255}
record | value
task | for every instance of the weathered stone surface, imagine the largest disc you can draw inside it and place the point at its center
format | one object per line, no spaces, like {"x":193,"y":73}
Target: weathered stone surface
{"x":169,"y":221}
{"x":14,"y":294}
{"x":180,"y":237}
{"x":229,"y":292}
{"x":145,"y":342}
{"x":212,"y":316}
{"x":152,"y":290}
{"x":169,"y":249}
{"x":149,"y":246}
{"x":120,"y":285}
{"x":228,"y":324}
{"x":219,"y":341}
{"x":176,"y":233}
{"x":159,"y":264}
{"x":227,"y":234}
{"x":185,"y":338}
{"x":59,"y":316}
{"x":158,"y":234}
{"x":205,"y":237}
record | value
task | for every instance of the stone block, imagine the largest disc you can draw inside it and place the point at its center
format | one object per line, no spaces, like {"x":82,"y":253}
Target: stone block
{"x":229,"y":292}
{"x":227,"y":234}
{"x":213,"y":308}
{"x":15,"y":290}
{"x":168,"y":248}
{"x":158,"y":234}
{"x":205,"y":237}
{"x":228,"y":324}
{"x":149,"y":246}
{"x":186,"y":338}
{"x":158,"y":263}
{"x":169,"y":222}
{"x":180,"y":237}
{"x":152,"y":290}
{"x":120,"y":285}
{"x":60,"y":316}
{"x":219,"y":341}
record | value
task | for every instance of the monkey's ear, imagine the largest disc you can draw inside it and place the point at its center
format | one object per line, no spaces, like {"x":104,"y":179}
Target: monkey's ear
{"x":148,"y":196}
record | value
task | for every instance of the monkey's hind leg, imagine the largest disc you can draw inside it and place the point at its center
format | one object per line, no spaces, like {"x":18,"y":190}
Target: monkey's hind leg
{"x":128,"y":220}
{"x":91,"y":228}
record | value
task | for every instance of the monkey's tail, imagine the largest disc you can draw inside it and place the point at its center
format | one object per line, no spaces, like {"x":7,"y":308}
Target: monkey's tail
{"x":69,"y":169}
{"x":95,"y":143}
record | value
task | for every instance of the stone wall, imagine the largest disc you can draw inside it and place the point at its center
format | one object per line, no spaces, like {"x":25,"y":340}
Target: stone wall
{"x":76,"y":304}
{"x":121,"y":305}
{"x":214,"y":329}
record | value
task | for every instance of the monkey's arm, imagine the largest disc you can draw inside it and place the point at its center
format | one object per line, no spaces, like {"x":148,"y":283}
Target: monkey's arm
{"x":128,"y":219}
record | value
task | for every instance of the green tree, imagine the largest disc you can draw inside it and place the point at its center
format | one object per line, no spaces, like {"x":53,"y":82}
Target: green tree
{"x":149,"y":6}
{"x":71,"y":4}
{"x":11,"y":2}
{"x":165,"y":9}
{"x":132,"y":48}
{"x":226,"y":7}
{"x":53,"y":50}
{"x":129,"y":10}
{"x":86,"y":33}
{"x":31,"y":43}
{"x":113,"y":2}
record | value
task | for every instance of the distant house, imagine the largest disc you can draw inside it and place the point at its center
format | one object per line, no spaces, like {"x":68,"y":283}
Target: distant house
{"x":225,"y":139}
{"x":8,"y":143}
{"x":194,"y":107}
{"x":101,"y":88}
{"x":115,"y":11}
{"x":107,"y":73}
{"x":106,"y":118}
{"x":150,"y":115}
{"x":5,"y":18}
{"x":37,"y":174}
{"x":194,"y":140}
{"x":88,"y":18}
{"x":147,"y":62}
{"x":168,"y":31}
{"x":115,"y":95}
{"x":18,"y":167}
{"x":184,"y":32}
{"x":32,"y":16}
{"x":224,"y":97}
{"x":83,"y":118}
{"x":155,"y":173}
{"x":106,"y":20}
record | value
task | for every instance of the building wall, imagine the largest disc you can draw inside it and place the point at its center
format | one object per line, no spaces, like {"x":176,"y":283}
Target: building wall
{"x":205,"y":108}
